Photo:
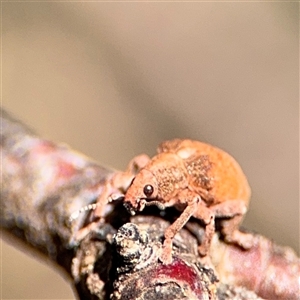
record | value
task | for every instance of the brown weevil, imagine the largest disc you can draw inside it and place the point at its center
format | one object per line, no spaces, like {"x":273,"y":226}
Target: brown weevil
{"x":198,"y":179}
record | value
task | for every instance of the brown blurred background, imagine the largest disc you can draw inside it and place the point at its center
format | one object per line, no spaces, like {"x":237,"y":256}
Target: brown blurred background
{"x":115,"y":79}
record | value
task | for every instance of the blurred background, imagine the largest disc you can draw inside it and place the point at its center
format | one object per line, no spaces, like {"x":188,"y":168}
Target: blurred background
{"x":113,"y":80}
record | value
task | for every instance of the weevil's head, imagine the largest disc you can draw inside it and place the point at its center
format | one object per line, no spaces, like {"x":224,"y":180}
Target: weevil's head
{"x":142,"y":192}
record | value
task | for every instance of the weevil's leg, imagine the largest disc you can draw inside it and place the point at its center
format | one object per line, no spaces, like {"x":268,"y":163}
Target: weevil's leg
{"x":232,"y":234}
{"x":166,"y":255}
{"x":137,"y":163}
{"x":113,"y":189}
{"x":192,"y":201}
{"x":234,"y":210}
{"x":81,"y":234}
{"x":204,"y":214}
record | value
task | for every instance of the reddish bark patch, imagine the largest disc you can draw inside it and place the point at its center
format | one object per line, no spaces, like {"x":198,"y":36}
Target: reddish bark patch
{"x":180,"y":271}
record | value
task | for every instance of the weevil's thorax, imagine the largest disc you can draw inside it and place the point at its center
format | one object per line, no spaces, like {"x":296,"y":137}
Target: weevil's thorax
{"x":170,"y":173}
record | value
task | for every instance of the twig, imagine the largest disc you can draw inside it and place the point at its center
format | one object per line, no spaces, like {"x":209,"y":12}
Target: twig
{"x":43,"y":184}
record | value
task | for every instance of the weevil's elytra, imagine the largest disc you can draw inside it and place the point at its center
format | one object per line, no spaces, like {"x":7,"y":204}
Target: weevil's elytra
{"x":211,"y":168}
{"x":201,"y":180}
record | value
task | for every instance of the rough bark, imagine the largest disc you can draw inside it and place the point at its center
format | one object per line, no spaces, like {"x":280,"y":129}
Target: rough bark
{"x":43,"y":184}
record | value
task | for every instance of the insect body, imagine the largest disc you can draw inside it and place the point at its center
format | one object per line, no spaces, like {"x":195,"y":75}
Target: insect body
{"x":200,"y":180}
{"x":204,"y":181}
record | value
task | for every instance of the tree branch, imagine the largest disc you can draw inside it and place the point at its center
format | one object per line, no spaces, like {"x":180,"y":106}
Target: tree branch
{"x":44,"y":184}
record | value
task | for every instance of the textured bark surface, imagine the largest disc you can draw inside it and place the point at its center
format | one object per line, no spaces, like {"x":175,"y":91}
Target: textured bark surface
{"x":44,"y":184}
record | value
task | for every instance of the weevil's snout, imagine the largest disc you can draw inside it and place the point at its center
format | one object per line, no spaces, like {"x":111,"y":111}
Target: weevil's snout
{"x":142,"y":188}
{"x":129,"y":208}
{"x":133,"y":201}
{"x":135,"y":205}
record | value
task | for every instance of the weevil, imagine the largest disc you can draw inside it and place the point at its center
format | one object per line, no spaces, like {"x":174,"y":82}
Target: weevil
{"x":198,"y":179}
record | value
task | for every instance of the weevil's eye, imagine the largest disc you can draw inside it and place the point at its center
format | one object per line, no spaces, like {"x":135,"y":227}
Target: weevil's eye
{"x":148,"y":190}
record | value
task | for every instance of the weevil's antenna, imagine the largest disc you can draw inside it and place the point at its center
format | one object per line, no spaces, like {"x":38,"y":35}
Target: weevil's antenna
{"x":113,"y":197}
{"x":76,"y":214}
{"x":156,"y":203}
